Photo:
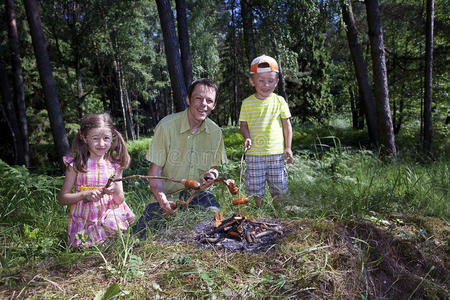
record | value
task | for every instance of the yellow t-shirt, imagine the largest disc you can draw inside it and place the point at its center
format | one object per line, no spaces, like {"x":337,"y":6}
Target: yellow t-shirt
{"x":264,"y":123}
{"x":184,"y":155}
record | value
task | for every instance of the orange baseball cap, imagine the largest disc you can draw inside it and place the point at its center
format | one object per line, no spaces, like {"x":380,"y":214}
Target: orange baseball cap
{"x":255,"y":65}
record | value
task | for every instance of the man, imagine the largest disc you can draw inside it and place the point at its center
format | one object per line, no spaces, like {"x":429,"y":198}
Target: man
{"x":186,"y":145}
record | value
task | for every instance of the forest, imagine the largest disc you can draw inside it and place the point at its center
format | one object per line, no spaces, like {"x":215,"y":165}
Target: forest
{"x":367,"y":84}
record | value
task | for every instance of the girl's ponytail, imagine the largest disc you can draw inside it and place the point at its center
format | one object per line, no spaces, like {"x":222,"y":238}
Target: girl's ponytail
{"x":118,"y":152}
{"x":81,"y":151}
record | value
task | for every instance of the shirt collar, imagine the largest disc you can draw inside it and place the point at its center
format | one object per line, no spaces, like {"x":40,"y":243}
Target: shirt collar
{"x":185,"y":123}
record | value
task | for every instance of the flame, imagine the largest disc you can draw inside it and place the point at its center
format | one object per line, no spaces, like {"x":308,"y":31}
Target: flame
{"x":219,"y":218}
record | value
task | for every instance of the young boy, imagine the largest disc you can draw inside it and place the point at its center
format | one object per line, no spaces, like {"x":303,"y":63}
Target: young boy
{"x":266,"y":128}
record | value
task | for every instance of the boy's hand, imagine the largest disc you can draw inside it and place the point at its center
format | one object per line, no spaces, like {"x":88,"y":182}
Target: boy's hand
{"x":248,"y":143}
{"x":288,"y":155}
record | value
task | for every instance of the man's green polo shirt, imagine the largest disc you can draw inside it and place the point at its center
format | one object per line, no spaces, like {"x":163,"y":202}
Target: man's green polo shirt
{"x":184,"y":155}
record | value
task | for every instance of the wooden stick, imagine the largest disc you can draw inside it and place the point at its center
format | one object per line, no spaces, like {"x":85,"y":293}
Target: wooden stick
{"x":182,"y":181}
{"x":202,"y":188}
{"x":148,"y":177}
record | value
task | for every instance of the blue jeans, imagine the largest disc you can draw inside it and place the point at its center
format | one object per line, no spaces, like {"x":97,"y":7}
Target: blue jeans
{"x":153,"y":216}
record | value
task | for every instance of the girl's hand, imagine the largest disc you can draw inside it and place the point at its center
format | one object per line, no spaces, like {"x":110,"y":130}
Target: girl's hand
{"x":111,"y":189}
{"x":93,"y":196}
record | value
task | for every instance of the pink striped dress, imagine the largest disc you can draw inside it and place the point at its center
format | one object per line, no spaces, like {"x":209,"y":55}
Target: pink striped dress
{"x":96,"y":221}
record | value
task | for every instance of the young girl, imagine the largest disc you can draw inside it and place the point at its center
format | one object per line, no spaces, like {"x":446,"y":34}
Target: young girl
{"x":96,"y":212}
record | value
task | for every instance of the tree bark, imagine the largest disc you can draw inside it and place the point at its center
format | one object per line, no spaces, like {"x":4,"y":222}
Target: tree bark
{"x":172,"y":50}
{"x":362,"y":77}
{"x":129,"y":110}
{"x":385,"y":128}
{"x":10,"y":116}
{"x":249,"y":39}
{"x":281,"y":85}
{"x":235,"y":69}
{"x":19,"y":93}
{"x":121,"y":98}
{"x":362,"y":110}
{"x":80,"y":96}
{"x":353,"y":108}
{"x":183,"y":37}
{"x":428,"y":96}
{"x":46,"y":78}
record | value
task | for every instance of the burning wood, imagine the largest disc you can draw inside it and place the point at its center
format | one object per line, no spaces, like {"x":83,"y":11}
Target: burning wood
{"x":244,"y":230}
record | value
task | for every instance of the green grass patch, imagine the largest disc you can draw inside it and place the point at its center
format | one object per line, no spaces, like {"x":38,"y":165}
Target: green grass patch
{"x":335,"y":179}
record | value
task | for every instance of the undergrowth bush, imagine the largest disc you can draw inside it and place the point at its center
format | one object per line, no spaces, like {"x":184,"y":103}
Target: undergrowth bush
{"x":33,"y":224}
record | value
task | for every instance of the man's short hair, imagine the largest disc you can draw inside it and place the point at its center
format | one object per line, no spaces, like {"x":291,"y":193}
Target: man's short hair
{"x":204,"y":81}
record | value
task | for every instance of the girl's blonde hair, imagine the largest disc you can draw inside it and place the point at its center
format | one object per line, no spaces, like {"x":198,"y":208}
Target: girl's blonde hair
{"x":117,"y":153}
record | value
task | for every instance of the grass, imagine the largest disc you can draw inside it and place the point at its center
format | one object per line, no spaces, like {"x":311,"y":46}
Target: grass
{"x":343,"y":203}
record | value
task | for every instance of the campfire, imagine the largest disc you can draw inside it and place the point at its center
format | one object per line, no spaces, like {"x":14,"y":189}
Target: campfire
{"x":239,"y":233}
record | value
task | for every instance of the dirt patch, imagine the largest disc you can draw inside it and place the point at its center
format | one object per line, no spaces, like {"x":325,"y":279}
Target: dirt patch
{"x":395,"y":268}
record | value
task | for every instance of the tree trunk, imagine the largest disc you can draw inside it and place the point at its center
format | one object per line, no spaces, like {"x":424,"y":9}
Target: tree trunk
{"x":19,"y":93}
{"x":362,"y":77}
{"x":428,"y":84}
{"x":129,"y":111}
{"x":281,"y":85}
{"x":399,"y":119}
{"x":235,"y":111}
{"x":121,"y":98}
{"x":166,"y":102}
{"x":99,"y":71}
{"x":249,"y":39}
{"x":172,"y":50}
{"x":183,"y":37}
{"x":10,"y":116}
{"x":80,"y":95}
{"x":53,"y":30}
{"x":153,"y":114}
{"x":137,"y":125}
{"x":385,"y":129}
{"x":46,"y":77}
{"x":362,"y":111}
{"x":353,"y":109}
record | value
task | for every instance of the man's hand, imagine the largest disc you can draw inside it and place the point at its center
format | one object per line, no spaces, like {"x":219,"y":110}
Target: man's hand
{"x":212,"y":174}
{"x":156,"y":185}
{"x":168,"y":207}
